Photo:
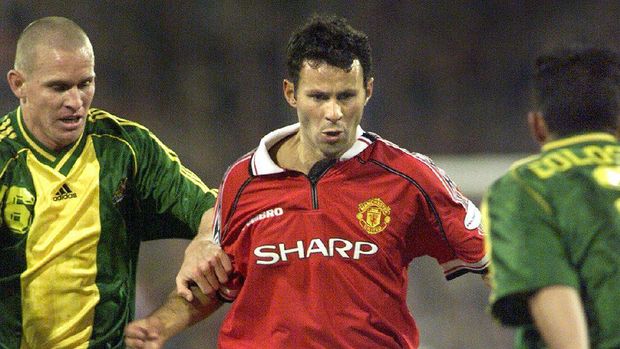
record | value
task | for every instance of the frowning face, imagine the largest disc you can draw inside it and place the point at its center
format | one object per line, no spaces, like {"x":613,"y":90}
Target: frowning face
{"x":55,"y":94}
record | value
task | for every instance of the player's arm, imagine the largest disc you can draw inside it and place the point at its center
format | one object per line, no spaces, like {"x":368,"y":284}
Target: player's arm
{"x":171,"y":318}
{"x":559,"y":317}
{"x":454,"y":236}
{"x":204,"y":264}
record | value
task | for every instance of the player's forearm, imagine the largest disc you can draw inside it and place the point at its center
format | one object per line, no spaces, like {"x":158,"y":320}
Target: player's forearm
{"x":559,"y":317}
{"x":178,"y":314}
{"x":205,"y":263}
{"x":205,"y":229}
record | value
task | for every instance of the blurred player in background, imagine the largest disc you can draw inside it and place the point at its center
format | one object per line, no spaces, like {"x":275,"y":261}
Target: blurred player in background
{"x":322,"y":220}
{"x":554,"y":219}
{"x":79,"y":190}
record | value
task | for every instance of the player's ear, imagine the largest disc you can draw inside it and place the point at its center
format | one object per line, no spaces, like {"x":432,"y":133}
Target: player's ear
{"x":538,"y":126}
{"x":369,"y":87}
{"x":16,"y":83}
{"x":289,"y":93}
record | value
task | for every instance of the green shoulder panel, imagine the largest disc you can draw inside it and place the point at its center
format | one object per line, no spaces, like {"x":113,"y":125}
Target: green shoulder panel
{"x":170,"y":191}
{"x":10,"y":144}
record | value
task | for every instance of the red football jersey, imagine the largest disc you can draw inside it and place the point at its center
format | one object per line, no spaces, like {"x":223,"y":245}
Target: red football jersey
{"x":321,"y":260}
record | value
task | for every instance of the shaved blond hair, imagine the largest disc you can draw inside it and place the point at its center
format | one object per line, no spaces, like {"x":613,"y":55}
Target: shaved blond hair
{"x":49,"y":32}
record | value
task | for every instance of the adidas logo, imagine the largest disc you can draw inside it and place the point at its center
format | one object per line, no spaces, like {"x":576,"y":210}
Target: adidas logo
{"x":64,"y":193}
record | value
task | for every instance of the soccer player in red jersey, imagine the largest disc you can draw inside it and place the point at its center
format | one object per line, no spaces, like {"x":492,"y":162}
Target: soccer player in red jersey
{"x":322,"y":220}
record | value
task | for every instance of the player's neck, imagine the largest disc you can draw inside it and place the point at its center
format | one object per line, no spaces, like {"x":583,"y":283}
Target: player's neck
{"x":290,"y":154}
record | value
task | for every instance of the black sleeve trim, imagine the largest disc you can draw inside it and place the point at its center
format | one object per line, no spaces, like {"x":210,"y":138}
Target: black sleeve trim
{"x":512,"y":310}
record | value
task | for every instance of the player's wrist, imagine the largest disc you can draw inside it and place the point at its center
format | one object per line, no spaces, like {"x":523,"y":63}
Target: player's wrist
{"x":165,"y":324}
{"x":199,"y":242}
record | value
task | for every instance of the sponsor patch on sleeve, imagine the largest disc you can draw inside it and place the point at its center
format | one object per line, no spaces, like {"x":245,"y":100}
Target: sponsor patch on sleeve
{"x":473,"y":216}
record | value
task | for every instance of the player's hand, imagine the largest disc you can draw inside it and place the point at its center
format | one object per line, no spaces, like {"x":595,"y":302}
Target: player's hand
{"x":144,"y":334}
{"x":206,"y":265}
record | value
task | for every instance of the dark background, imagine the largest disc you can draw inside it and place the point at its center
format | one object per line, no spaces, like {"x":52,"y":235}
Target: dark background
{"x":451,"y":81}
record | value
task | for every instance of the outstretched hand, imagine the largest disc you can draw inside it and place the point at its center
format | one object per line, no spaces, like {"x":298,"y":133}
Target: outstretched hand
{"x":206,"y":265}
{"x":144,"y":334}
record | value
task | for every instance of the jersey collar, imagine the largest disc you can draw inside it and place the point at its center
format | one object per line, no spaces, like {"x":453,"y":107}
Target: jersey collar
{"x":54,"y":159}
{"x":263,"y":164}
{"x":583,"y":138}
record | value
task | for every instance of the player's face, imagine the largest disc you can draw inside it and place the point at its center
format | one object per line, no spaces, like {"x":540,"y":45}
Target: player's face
{"x":56,"y":94}
{"x":330,"y":102}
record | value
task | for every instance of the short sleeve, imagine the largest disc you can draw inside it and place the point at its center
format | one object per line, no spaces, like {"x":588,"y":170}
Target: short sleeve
{"x":447,"y":226}
{"x":525,"y":246}
{"x":173,"y":197}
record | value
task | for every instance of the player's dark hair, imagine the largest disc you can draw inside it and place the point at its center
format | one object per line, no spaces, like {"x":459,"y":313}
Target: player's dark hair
{"x":330,"y":39}
{"x":578,"y":90}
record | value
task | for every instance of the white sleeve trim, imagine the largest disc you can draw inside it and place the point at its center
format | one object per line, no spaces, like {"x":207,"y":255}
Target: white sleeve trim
{"x":456,"y":267}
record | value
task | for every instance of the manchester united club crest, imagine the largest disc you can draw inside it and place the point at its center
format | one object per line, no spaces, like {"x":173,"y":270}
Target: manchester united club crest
{"x":373,"y":215}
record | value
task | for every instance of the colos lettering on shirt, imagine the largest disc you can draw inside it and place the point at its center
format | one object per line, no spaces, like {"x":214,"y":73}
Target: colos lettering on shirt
{"x":565,"y":159}
{"x":321,"y":260}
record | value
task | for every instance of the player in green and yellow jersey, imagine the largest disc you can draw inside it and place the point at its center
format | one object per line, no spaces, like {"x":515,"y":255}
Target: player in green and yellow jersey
{"x":79,"y":190}
{"x":554,"y":218}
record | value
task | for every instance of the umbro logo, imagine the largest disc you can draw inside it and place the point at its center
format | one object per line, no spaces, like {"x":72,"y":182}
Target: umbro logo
{"x":64,"y":193}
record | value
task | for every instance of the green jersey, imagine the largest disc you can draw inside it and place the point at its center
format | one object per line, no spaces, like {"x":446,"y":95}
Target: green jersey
{"x":71,"y":223}
{"x":554,"y":219}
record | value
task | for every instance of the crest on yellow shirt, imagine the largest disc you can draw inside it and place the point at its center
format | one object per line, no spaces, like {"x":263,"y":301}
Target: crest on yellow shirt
{"x":373,"y":215}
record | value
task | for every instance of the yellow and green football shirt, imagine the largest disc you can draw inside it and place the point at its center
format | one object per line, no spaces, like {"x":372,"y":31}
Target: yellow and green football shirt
{"x":554,"y":219}
{"x":71,"y":224}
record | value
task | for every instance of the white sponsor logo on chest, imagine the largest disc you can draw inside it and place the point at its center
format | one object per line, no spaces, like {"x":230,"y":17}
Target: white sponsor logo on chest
{"x":278,"y":211}
{"x":271,"y":254}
